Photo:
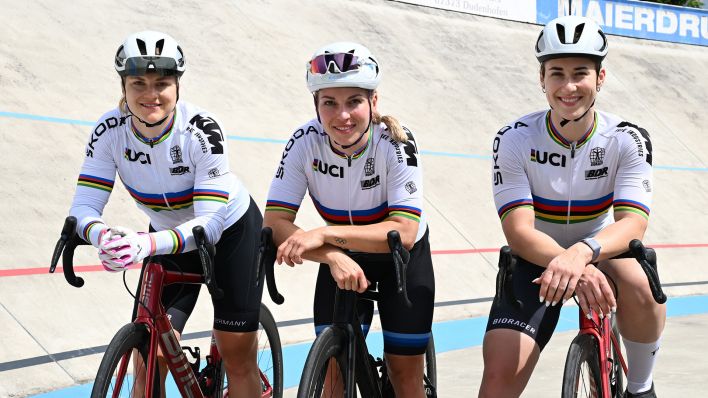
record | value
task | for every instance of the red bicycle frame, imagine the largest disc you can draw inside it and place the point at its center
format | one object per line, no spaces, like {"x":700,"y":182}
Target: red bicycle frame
{"x":601,"y":329}
{"x":152,"y":314}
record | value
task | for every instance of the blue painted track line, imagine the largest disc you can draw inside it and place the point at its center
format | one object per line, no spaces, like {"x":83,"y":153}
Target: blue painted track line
{"x":449,"y":336}
{"x":50,"y":119}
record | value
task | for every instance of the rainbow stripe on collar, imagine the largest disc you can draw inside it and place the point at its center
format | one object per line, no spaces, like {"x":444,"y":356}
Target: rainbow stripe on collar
{"x":560,"y":140}
{"x":156,"y":140}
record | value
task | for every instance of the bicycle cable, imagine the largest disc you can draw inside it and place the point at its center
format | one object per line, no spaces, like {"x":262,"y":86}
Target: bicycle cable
{"x":162,"y":259}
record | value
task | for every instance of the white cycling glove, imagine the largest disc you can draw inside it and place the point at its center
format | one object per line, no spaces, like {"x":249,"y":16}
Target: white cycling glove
{"x":121,"y":247}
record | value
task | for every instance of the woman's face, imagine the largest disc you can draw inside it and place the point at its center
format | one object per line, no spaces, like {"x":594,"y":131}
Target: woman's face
{"x":571,"y":85}
{"x":151,"y":97}
{"x":344,"y":112}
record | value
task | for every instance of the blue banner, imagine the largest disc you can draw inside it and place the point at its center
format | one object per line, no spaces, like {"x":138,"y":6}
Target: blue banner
{"x":634,"y":18}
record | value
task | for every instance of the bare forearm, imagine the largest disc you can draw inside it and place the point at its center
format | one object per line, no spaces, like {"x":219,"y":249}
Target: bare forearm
{"x":370,"y":238}
{"x":284,"y":228}
{"x":615,"y":238}
{"x":533,"y":245}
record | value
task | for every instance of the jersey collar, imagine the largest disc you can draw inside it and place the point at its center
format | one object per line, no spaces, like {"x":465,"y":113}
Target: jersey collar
{"x":156,"y":140}
{"x":558,"y":138}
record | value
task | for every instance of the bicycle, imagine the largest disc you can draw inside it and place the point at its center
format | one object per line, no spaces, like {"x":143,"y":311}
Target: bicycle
{"x":594,"y":365}
{"x":134,"y":347}
{"x":344,"y":342}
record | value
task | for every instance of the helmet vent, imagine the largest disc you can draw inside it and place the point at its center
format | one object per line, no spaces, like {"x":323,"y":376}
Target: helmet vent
{"x":141,"y":47}
{"x":158,"y":46}
{"x":578,"y":32}
{"x":560,"y":29}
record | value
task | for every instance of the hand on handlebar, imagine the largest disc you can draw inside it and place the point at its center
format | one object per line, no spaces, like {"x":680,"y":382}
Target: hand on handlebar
{"x":347,"y":273}
{"x":594,"y":292}
{"x":120,"y":247}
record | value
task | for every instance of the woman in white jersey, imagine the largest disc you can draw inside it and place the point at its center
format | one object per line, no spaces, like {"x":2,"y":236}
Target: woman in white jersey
{"x":172,"y":158}
{"x":363,"y":173}
{"x":572,"y":186}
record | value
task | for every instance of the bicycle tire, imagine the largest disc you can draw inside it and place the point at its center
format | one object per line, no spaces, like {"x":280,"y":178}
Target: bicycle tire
{"x":270,"y":356}
{"x":130,"y":337}
{"x":617,"y":373}
{"x":274,"y":367}
{"x":581,"y":377}
{"x":431,"y":368}
{"x":329,"y":345}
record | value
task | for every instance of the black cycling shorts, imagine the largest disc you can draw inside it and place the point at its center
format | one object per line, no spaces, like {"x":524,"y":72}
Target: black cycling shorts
{"x":235,"y":274}
{"x":533,"y":318}
{"x":406,"y":330}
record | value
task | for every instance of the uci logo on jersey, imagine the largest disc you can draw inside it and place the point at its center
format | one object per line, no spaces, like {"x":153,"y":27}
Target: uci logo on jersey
{"x":554,"y":159}
{"x":324,"y":168}
{"x":135,"y":156}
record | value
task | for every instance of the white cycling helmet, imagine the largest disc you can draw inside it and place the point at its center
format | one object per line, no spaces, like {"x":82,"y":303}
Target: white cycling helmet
{"x":150,"y":51}
{"x":343,"y":64}
{"x":571,"y":36}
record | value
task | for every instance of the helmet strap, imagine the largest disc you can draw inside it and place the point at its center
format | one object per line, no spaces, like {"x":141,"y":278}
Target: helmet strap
{"x":566,"y":121}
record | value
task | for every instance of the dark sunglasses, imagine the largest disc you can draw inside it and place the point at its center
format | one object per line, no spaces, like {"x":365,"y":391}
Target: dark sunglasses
{"x":140,"y":66}
{"x":334,"y":63}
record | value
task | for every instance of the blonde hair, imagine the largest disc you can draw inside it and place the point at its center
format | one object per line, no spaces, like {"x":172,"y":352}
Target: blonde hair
{"x":123,"y":105}
{"x":394,"y":126}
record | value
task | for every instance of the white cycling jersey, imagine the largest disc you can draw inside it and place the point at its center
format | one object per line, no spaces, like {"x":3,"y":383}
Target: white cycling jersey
{"x":382,"y":180}
{"x":572,"y":185}
{"x":180,"y":179}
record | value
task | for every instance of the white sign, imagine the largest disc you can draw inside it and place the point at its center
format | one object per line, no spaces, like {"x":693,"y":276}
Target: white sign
{"x":505,"y":9}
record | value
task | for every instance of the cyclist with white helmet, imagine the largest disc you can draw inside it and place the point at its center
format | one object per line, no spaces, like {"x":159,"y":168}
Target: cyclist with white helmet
{"x":572,"y":186}
{"x":172,"y":157}
{"x":363,"y":173}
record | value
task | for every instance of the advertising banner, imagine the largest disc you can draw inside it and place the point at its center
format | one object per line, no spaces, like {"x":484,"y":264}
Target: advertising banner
{"x":515,"y":10}
{"x":631,"y":18}
{"x":635,"y":18}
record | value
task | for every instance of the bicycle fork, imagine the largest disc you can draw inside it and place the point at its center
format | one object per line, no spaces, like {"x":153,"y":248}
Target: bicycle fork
{"x":601,"y":330}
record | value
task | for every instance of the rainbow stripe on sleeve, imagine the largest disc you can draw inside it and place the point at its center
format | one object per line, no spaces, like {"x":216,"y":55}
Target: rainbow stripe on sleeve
{"x":276,"y":205}
{"x":412,"y":213}
{"x":504,"y":210}
{"x":177,"y":241}
{"x":631,"y":205}
{"x":89,"y":181}
{"x":87,"y":230}
{"x":211,"y":195}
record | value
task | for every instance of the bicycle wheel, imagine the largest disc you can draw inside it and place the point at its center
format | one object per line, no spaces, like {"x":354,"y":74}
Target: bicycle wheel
{"x":431,"y":371}
{"x":122,"y":369}
{"x":270,"y":353}
{"x":616,"y":373}
{"x":327,"y":353}
{"x":270,"y":359}
{"x":581,"y":377}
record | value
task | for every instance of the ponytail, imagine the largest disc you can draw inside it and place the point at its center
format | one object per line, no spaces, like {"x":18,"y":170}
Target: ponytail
{"x":393,"y":126}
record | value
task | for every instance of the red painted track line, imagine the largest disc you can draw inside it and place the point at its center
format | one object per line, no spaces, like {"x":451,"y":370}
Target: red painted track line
{"x":92,"y":268}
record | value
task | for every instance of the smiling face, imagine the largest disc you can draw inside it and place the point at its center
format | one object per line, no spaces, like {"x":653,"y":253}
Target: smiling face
{"x":345,"y":112}
{"x":151,"y":97}
{"x":571,"y":85}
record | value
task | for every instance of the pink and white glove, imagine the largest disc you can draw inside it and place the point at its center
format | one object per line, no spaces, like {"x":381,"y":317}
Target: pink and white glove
{"x":121,"y":247}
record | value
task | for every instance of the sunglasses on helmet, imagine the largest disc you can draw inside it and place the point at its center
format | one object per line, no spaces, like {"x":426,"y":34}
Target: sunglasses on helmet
{"x":139,"y":66}
{"x":334,"y":63}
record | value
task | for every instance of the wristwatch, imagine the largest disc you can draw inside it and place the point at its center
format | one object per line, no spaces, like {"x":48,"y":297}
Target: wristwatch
{"x":594,"y":246}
